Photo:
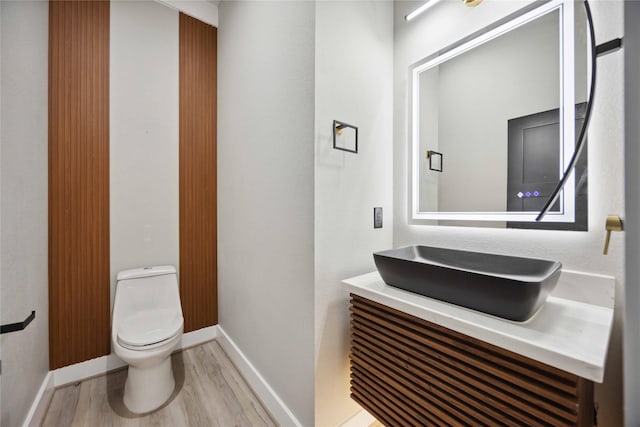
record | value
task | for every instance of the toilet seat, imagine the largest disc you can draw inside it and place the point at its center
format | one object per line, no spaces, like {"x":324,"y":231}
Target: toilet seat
{"x":149,"y":328}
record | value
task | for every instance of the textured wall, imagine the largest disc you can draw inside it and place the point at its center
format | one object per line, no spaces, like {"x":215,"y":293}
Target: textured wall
{"x":23,"y":204}
{"x":265,"y":191}
{"x":198,"y":215}
{"x":144,"y":136}
{"x":79,"y":321}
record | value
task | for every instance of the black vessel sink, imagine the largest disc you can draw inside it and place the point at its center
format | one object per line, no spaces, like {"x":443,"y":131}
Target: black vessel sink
{"x":510,"y":287}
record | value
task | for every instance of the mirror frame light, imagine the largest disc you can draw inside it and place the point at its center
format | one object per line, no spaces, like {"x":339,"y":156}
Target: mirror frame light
{"x":567,"y":98}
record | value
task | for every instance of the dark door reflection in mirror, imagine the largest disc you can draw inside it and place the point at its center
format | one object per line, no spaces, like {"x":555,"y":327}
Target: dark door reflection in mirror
{"x":533,"y":161}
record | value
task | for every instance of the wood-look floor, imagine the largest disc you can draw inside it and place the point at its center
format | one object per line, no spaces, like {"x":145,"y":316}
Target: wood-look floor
{"x":209,"y":392}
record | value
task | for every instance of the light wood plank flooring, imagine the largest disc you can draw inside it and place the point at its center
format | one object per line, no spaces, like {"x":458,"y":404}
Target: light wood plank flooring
{"x":209,"y":392}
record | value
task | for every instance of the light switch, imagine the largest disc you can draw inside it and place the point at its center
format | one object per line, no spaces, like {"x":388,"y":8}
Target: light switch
{"x":377,"y":217}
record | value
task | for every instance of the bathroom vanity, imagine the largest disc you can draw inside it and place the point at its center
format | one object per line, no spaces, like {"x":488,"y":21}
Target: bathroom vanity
{"x":419,"y":361}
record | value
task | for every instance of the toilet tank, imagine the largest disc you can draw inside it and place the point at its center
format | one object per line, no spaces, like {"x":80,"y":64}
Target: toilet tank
{"x":147,"y":288}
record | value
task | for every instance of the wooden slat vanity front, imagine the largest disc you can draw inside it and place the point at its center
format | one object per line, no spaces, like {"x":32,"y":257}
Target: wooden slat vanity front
{"x":407,"y":371}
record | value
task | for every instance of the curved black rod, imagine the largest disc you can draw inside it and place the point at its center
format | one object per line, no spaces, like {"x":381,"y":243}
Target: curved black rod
{"x":587,"y":118}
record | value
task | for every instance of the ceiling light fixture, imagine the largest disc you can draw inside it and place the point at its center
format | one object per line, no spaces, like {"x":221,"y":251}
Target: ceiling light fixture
{"x":421,"y":9}
{"x":430,"y":3}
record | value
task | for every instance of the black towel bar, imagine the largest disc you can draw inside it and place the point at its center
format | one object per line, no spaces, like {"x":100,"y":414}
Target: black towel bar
{"x":14,"y":327}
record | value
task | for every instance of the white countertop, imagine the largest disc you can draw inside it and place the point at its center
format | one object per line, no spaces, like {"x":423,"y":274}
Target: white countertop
{"x":570,"y":332}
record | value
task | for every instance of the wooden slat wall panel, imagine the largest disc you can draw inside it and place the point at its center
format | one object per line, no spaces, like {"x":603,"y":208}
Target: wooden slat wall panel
{"x":407,"y":371}
{"x":198,"y":213}
{"x":79,"y":295}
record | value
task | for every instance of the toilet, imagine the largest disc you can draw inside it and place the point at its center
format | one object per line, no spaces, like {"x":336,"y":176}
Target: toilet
{"x":147,"y":326}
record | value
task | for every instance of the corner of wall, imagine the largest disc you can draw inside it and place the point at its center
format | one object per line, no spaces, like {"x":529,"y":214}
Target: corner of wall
{"x":265,"y":191}
{"x":353,"y":83}
{"x":205,"y":11}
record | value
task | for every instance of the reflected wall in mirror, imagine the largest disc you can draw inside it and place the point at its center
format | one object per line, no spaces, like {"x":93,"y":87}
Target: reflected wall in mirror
{"x":494,"y":106}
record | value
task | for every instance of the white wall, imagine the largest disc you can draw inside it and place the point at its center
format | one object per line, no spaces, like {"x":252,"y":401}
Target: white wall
{"x":354,"y":74}
{"x":23,"y":197}
{"x":576,"y":250}
{"x":632,"y":218}
{"x":265,"y":191}
{"x":144,"y":136}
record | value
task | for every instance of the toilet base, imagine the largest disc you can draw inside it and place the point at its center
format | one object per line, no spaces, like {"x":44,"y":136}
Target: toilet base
{"x":149,"y":388}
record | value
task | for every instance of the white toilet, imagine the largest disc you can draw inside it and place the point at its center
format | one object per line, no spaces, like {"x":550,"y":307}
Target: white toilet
{"x":147,"y":326}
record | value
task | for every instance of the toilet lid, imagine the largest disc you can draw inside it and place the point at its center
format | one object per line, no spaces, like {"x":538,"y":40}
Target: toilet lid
{"x":149,"y":327}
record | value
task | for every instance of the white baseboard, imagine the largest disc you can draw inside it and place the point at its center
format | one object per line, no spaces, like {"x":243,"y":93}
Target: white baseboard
{"x":198,"y":337}
{"x":361,"y":419}
{"x":38,"y":410}
{"x":87,"y":369}
{"x":283,"y":416}
{"x":101,"y":365}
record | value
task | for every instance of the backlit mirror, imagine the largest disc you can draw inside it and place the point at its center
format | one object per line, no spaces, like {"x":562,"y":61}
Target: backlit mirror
{"x":494,"y":121}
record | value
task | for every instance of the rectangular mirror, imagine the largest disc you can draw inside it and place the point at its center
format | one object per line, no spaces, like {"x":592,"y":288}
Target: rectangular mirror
{"x":493,"y":109}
